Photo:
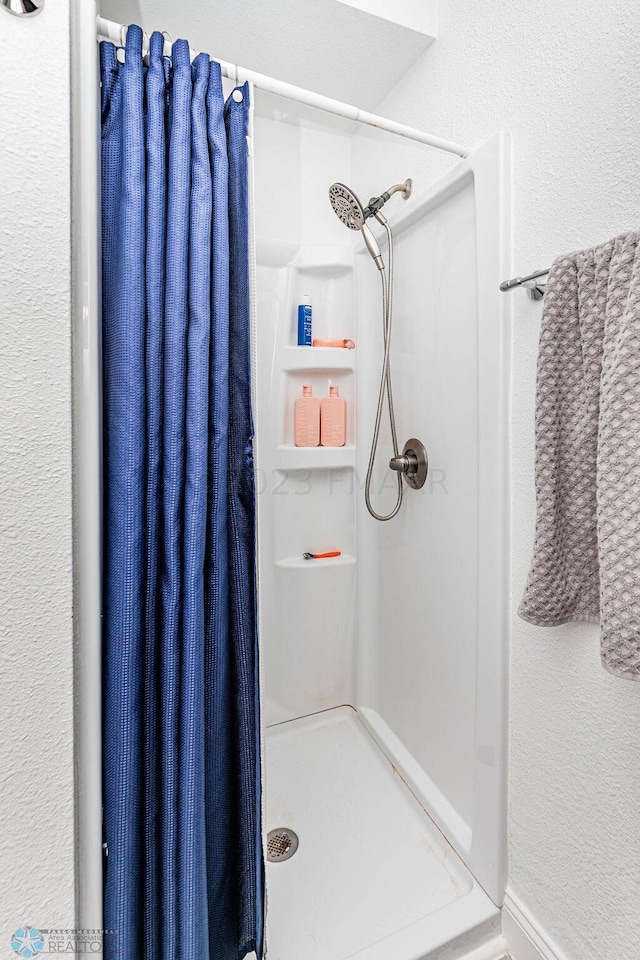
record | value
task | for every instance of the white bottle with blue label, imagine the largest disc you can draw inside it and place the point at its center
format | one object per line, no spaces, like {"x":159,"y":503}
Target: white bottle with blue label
{"x":304,"y":321}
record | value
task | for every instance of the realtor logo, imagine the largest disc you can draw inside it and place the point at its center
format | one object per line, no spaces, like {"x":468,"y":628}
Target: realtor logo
{"x":27,"y":942}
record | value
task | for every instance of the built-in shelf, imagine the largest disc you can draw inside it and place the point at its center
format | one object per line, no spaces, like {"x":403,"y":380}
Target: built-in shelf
{"x":289,"y":457}
{"x":299,"y":563}
{"x":318,"y":358}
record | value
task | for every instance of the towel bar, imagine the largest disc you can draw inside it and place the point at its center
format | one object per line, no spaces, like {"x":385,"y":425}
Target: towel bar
{"x":534,"y":288}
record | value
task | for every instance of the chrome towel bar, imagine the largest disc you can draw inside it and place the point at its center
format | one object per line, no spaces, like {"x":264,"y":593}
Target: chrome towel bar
{"x":531,"y":282}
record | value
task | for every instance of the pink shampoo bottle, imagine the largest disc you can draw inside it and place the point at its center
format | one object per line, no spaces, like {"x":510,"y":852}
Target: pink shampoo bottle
{"x":307,"y":419}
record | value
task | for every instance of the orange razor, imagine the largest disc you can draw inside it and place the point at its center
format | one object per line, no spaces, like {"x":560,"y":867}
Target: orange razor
{"x":321,"y":556}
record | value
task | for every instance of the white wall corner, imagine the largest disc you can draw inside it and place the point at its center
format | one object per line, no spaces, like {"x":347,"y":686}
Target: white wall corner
{"x":421,"y":16}
{"x":526,"y":939}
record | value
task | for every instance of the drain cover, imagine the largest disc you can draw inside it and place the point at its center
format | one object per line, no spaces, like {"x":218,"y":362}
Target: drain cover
{"x":281,"y":844}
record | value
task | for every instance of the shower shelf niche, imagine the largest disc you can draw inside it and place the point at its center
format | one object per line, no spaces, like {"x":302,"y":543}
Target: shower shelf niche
{"x":318,"y":358}
{"x":320,"y":379}
{"x":290,"y":457}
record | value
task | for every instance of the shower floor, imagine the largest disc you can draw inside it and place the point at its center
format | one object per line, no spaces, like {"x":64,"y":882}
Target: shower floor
{"x":373,"y":877}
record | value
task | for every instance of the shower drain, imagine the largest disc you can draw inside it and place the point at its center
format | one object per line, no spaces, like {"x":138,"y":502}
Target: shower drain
{"x":281,"y":844}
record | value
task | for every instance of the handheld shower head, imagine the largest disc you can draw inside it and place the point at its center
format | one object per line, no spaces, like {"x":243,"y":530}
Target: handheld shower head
{"x":349,"y":210}
{"x":346,"y":206}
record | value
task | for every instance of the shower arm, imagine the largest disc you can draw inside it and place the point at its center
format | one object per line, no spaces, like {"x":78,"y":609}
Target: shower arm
{"x":377,"y":203}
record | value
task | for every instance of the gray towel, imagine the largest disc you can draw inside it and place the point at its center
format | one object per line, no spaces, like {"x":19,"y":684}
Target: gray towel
{"x":586,"y":555}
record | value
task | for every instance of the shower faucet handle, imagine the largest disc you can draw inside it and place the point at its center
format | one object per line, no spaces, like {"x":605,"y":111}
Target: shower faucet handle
{"x":412,"y":463}
{"x":400,"y":463}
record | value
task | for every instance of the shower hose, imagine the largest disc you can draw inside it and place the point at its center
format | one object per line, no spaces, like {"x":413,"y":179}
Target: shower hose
{"x":385,"y":382}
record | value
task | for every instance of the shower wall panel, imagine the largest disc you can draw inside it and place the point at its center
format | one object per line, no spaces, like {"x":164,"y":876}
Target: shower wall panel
{"x":431,"y":659}
{"x":306,"y":495}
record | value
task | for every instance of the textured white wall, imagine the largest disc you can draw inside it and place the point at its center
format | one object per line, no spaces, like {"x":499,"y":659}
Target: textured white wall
{"x":564,"y":79}
{"x":36,"y":671}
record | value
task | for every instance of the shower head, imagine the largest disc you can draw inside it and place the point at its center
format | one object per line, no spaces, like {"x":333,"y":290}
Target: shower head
{"x":348,"y":209}
{"x":346,"y":206}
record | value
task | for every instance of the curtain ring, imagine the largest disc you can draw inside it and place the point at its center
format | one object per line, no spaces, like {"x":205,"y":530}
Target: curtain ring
{"x":167,"y":39}
{"x":145,"y":48}
{"x":123,"y":34}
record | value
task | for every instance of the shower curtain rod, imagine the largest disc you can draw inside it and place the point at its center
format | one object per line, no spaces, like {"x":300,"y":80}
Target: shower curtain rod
{"x":116,"y":33}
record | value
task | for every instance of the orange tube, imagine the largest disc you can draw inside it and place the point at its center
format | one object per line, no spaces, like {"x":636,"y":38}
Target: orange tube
{"x":346,"y":344}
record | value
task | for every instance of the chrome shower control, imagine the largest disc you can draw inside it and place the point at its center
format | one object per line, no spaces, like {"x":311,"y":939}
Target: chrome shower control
{"x":412,"y":463}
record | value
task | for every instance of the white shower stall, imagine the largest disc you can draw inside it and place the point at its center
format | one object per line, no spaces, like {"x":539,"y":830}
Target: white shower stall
{"x":384,"y":669}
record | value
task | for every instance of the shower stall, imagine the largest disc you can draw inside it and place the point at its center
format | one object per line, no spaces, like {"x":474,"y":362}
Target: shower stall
{"x":383,"y":669}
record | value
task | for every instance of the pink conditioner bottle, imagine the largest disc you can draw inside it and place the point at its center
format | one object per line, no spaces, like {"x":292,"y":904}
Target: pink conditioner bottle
{"x":333,"y":420}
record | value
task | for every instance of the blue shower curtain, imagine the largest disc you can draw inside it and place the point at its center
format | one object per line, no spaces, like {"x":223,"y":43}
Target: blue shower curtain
{"x":183,"y":857}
